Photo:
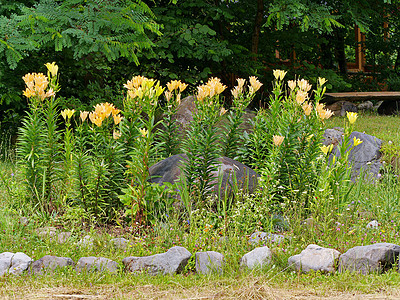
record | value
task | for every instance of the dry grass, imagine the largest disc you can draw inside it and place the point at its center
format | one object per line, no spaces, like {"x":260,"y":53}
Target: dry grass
{"x":171,"y":287}
{"x":246,"y":290}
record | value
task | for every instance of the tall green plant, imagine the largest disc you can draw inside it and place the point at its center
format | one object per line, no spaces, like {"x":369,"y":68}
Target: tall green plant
{"x":38,"y":146}
{"x":140,"y":105}
{"x":335,"y":182}
{"x":107,"y":160}
{"x":169,"y":136}
{"x":241,"y":100}
{"x":201,"y":144}
{"x":286,"y":139}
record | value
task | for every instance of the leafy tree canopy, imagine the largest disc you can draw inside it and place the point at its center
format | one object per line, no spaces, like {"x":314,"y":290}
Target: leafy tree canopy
{"x":115,"y":28}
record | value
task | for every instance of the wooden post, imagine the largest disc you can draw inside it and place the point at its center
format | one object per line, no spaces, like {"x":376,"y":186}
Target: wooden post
{"x":360,"y":52}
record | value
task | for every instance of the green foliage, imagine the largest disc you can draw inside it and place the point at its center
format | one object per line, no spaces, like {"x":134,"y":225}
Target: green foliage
{"x":200,"y":145}
{"x":241,"y":100}
{"x":284,"y":145}
{"x":170,"y":135}
{"x":142,"y":98}
{"x":114,"y":29}
{"x":38,"y":146}
{"x":307,"y":15}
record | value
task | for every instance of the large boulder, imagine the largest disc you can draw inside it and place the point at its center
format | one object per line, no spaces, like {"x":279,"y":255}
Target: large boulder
{"x":14,"y":263}
{"x":258,"y":257}
{"x":339,"y":108}
{"x":49,"y":263}
{"x":372,"y":258}
{"x":208,"y":262}
{"x":99,"y":264}
{"x":168,"y":170}
{"x":315,"y":258}
{"x":170,"y":262}
{"x":264,"y":237}
{"x":184,"y":113}
{"x":365,"y":156}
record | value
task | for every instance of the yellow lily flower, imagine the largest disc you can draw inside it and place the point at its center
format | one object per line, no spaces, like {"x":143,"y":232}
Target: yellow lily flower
{"x":53,"y":68}
{"x":117,"y":119}
{"x":352,"y":117}
{"x":116,"y":135}
{"x":159,"y":89}
{"x":301,"y":96}
{"x":304,"y":85}
{"x":278,"y":139}
{"x":307,"y":108}
{"x":67,"y":113}
{"x":28,"y":93}
{"x":356,"y":141}
{"x":144,"y":132}
{"x":173,"y":85}
{"x":292,"y":84}
{"x":326,"y":149}
{"x":255,"y":84}
{"x":132,"y":93}
{"x":235,"y":92}
{"x":29,"y":80}
{"x":321,"y":81}
{"x":83,"y":115}
{"x":203,"y":91}
{"x":241,"y":82}
{"x":182,"y":86}
{"x":168,"y":95}
{"x":279,"y":74}
{"x":95,"y":118}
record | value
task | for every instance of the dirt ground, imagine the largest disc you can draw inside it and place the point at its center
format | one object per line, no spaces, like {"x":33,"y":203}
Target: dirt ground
{"x":251,"y":291}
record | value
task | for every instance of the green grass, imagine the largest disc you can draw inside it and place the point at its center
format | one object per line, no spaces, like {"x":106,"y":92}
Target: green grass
{"x":339,"y":230}
{"x":383,"y":127}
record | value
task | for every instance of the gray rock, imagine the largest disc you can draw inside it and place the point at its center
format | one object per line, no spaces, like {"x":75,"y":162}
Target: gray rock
{"x":184,"y":113}
{"x":6,"y":255}
{"x":46,"y":232}
{"x":314,"y":258}
{"x":99,"y":264}
{"x":258,"y":257}
{"x":373,"y":224}
{"x":366,"y":105}
{"x":49,"y":263}
{"x":86,"y":241}
{"x":170,"y":262}
{"x":348,"y":107}
{"x":20,"y":263}
{"x":377,"y":105}
{"x":4,"y":266}
{"x":120,"y":243}
{"x":168,"y":170}
{"x":24,"y":221}
{"x":372,"y":258}
{"x":366,"y":156}
{"x":63,"y":237}
{"x":264,"y":237}
{"x":309,"y":223}
{"x":335,"y":107}
{"x":332,"y":136}
{"x":5,"y":262}
{"x":208,"y":262}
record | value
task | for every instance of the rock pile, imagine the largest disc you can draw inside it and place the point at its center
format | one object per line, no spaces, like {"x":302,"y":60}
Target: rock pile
{"x":363,"y":259}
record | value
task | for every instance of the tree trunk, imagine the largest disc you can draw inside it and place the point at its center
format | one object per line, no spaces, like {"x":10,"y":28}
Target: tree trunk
{"x":257,"y":28}
{"x":340,"y":50}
